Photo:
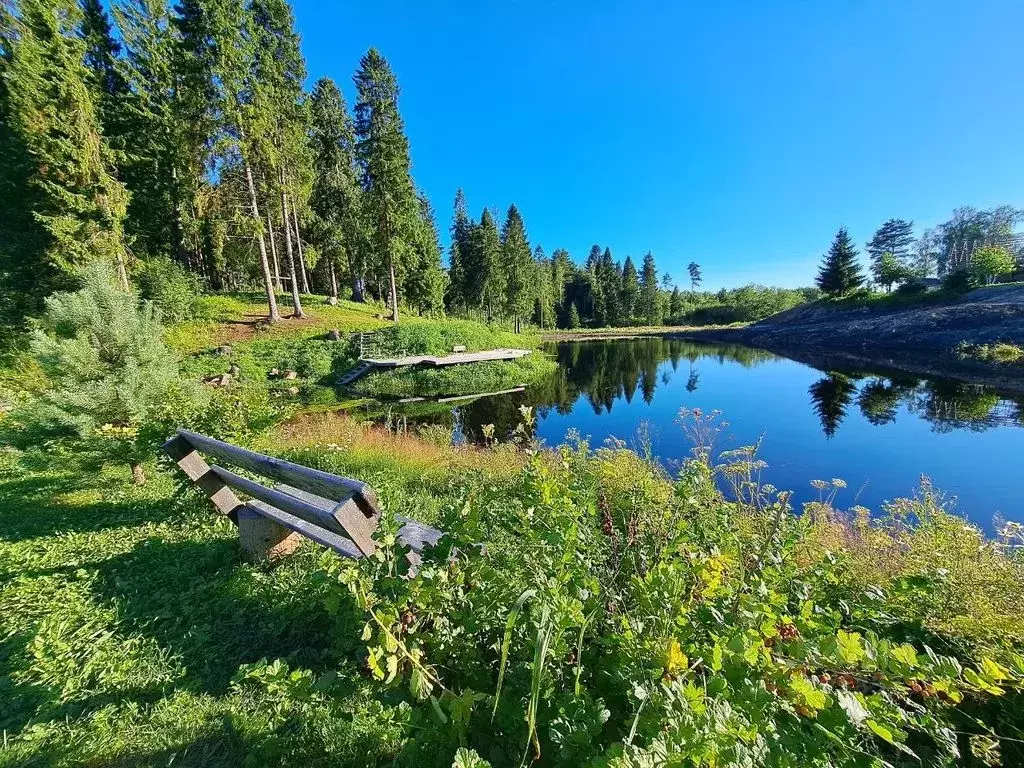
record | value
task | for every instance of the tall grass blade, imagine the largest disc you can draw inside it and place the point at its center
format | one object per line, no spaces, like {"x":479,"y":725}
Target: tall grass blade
{"x":510,"y":623}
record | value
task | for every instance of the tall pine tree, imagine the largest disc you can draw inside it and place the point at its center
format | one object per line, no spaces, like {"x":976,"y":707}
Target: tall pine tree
{"x":490,"y":277}
{"x":390,"y":204}
{"x":840,"y":270}
{"x":649,"y":293}
{"x":53,"y":118}
{"x":336,"y":199}
{"x":896,"y":237}
{"x":517,"y":261}
{"x":460,"y":256}
{"x":630,"y":291}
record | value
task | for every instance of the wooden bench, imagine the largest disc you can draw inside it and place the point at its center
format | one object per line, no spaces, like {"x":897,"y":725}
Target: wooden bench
{"x":337,"y":512}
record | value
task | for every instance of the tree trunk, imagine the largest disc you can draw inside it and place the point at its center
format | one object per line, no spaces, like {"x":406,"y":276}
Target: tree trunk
{"x":358,"y":283}
{"x":334,"y":282}
{"x":298,"y":244}
{"x":394,"y":289}
{"x":138,"y":475}
{"x":273,"y":315}
{"x":122,"y":272}
{"x":296,"y":301}
{"x":273,"y":251}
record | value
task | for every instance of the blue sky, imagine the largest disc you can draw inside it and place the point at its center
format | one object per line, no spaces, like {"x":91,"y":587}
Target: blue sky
{"x":740,"y":135}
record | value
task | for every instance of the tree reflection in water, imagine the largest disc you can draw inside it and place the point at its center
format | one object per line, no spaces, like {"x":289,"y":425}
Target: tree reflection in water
{"x":602,"y":373}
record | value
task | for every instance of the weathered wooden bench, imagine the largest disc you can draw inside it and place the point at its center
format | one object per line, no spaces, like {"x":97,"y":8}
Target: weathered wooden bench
{"x":337,"y":512}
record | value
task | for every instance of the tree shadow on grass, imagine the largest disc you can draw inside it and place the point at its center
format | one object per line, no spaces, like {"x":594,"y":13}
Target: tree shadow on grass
{"x":30,"y":507}
{"x":200,"y":604}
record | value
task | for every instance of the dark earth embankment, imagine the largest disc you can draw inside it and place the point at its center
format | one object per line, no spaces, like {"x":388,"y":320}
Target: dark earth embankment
{"x":920,"y":338}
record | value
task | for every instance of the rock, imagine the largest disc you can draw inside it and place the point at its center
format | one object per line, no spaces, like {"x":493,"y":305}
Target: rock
{"x":293,"y":391}
{"x":223,"y":351}
{"x":289,"y":375}
{"x":334,"y":334}
{"x":234,"y":370}
{"x":273,"y":373}
{"x":332,"y":300}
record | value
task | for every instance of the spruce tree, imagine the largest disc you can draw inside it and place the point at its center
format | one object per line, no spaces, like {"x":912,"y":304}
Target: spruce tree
{"x":101,"y":58}
{"x":336,"y":199}
{"x":609,"y":277}
{"x":574,"y":316}
{"x":649,"y":294}
{"x":593,"y":267}
{"x":53,"y":118}
{"x":423,"y":285}
{"x":630,"y":291}
{"x":459,"y":256}
{"x":840,"y":271}
{"x":390,"y":204}
{"x":517,"y":262}
{"x":487,"y":259}
{"x":675,"y":304}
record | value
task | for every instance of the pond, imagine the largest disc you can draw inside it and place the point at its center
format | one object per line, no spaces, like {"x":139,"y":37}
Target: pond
{"x":878,"y":431}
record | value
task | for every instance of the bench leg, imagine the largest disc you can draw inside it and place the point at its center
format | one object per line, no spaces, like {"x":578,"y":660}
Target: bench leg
{"x":263,"y":539}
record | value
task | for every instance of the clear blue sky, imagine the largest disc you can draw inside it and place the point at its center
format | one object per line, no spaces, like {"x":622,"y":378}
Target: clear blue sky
{"x":740,"y":135}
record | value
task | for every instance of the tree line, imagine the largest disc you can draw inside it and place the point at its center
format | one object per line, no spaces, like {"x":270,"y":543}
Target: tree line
{"x":495,"y":274}
{"x":186,"y":135}
{"x":173,"y":140}
{"x":973,"y":246}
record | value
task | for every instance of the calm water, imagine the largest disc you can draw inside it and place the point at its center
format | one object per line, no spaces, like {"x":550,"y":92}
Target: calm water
{"x":877,"y":431}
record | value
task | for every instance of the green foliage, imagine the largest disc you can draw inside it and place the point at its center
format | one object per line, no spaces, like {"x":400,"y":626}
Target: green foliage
{"x":474,"y":378}
{"x":647,"y":620}
{"x":582,"y":610}
{"x":741,"y":305}
{"x":989,"y":262}
{"x":112,"y":384}
{"x":174,"y":290}
{"x":959,"y":281}
{"x":62,"y":164}
{"x":888,"y":269}
{"x":574,"y":316}
{"x":998,"y":352}
{"x":840,"y":271}
{"x":430,"y":338}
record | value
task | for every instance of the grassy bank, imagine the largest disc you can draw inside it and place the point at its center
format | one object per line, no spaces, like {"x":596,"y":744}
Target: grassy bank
{"x":614,"y":615}
{"x":583,"y":608}
{"x":232,"y":333}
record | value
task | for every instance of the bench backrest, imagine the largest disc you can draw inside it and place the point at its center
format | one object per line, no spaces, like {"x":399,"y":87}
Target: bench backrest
{"x":337,"y":511}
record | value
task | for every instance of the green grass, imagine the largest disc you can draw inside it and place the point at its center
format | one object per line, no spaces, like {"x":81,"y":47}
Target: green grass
{"x":301,"y":346}
{"x":432,"y":337}
{"x":133,"y":633}
{"x":1002,"y":352}
{"x":472,"y":378}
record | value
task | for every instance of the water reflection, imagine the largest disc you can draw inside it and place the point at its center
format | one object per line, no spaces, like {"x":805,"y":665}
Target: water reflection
{"x":877,"y":429}
{"x":602,"y":375}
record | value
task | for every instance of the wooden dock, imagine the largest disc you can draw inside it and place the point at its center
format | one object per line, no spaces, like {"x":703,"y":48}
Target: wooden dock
{"x":458,"y":358}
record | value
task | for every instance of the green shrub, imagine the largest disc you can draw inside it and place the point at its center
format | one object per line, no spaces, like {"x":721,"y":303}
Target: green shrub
{"x":472,"y":378}
{"x":414,"y":337}
{"x":175,"y":290}
{"x":959,"y":281}
{"x":111,"y":383}
{"x":594,"y":613}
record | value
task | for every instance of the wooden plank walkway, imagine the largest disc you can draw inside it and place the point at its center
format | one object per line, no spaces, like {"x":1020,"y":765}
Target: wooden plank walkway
{"x":459,"y":358}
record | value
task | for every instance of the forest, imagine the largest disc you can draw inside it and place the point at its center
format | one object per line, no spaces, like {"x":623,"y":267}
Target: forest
{"x":179,"y":144}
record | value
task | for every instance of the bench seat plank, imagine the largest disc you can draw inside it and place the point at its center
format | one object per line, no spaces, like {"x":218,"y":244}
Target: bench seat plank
{"x":314,"y":480}
{"x":293,"y":505}
{"x":339,"y":544}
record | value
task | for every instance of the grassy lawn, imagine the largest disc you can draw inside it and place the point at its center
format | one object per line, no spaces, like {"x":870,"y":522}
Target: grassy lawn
{"x":126,"y":612}
{"x":584,"y":608}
